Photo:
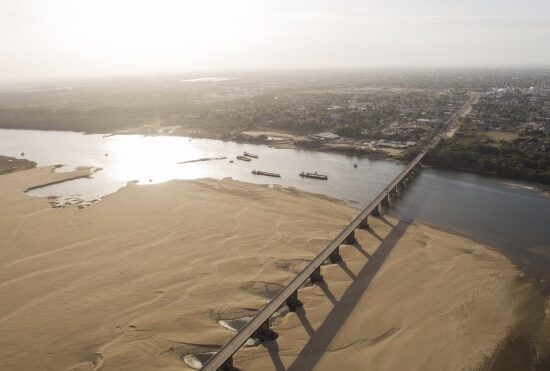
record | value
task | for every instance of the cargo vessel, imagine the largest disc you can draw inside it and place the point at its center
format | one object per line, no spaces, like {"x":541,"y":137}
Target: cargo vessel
{"x":266,"y":173}
{"x":313,"y":176}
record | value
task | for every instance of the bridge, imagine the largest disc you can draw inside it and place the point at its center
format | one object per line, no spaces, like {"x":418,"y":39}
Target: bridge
{"x":259,"y":326}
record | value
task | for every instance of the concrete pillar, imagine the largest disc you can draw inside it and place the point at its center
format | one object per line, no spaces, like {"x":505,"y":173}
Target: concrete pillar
{"x":375,"y":211}
{"x":293,"y":302}
{"x":350,"y":238}
{"x":335,"y":256}
{"x":364,"y":223}
{"x":265,"y":333}
{"x":385,"y":201}
{"x":316,"y":276}
{"x":227,"y":365}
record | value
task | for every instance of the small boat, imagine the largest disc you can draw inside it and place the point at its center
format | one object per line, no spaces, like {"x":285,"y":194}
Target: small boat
{"x":355,"y":165}
{"x":266,"y":173}
{"x":230,"y":161}
{"x":243,"y":158}
{"x":250,"y":155}
{"x":313,"y":176}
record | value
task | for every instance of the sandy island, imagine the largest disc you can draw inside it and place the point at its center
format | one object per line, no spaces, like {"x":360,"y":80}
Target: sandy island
{"x":141,"y":278}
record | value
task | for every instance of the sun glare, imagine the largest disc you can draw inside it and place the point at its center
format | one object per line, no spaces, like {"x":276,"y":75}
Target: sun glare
{"x":177,"y":32}
{"x":150,"y":159}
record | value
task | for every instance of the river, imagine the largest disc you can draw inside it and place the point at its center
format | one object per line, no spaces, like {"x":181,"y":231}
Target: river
{"x":511,"y":216}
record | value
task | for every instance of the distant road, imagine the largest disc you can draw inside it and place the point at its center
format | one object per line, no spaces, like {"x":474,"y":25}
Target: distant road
{"x":463,"y":112}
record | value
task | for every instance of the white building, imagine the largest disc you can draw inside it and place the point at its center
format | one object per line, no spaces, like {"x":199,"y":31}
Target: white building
{"x":325,"y":135}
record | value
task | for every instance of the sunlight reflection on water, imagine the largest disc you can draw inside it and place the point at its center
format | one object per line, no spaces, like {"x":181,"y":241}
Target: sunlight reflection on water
{"x":125,"y":158}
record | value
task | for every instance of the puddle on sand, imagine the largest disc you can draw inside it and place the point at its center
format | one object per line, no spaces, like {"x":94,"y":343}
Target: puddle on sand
{"x":198,"y":360}
{"x":237,"y":324}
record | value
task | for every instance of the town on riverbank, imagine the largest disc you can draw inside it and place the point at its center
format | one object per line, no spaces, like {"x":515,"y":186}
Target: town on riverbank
{"x":503,"y":128}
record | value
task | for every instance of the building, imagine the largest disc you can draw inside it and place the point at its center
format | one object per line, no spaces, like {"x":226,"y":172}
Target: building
{"x":325,"y":135}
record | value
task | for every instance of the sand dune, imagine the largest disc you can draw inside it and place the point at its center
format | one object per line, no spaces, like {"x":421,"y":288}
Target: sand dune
{"x":140,"y":279}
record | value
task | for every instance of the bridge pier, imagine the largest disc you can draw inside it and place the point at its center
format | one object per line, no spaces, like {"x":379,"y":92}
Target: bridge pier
{"x":385,"y":201}
{"x":364,"y":223}
{"x":375,"y":211}
{"x":316,"y":276}
{"x":335,"y":256}
{"x":227,"y":365}
{"x":293,"y":302}
{"x":264,"y":332}
{"x":350,"y":239}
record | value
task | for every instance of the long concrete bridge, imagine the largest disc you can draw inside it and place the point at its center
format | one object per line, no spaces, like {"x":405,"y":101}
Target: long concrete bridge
{"x":259,"y":326}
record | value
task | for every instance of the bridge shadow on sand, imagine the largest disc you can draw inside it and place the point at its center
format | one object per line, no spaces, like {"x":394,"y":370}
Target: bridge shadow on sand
{"x":320,"y":339}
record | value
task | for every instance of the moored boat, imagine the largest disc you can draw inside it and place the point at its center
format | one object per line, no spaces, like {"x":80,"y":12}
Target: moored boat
{"x":266,"y":173}
{"x":314,"y":175}
{"x":247,"y":154}
{"x":243,"y":158}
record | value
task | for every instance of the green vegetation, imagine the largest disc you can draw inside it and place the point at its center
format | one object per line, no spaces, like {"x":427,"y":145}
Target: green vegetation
{"x":527,"y":157}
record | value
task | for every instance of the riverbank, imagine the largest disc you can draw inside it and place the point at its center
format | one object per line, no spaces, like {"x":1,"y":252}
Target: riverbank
{"x":142,"y":278}
{"x":346,"y":146}
{"x":273,"y":139}
{"x":12,"y":164}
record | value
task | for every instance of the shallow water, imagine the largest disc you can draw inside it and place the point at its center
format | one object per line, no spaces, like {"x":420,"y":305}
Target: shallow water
{"x":514,"y":220}
{"x":490,"y":210}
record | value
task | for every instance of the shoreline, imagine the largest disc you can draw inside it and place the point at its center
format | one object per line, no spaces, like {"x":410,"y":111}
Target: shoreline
{"x":538,"y":272}
{"x":540,"y":277}
{"x":193,"y":134}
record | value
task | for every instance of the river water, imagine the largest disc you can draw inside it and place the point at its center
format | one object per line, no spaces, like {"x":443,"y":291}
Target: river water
{"x":506,"y":214}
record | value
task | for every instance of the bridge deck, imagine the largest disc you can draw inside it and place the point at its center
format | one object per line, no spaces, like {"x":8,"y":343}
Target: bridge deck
{"x":227,"y":351}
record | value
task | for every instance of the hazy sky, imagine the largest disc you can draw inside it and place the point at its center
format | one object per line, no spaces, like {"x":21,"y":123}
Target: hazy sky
{"x":80,"y":38}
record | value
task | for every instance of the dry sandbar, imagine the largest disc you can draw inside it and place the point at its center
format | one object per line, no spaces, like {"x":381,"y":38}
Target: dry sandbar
{"x":142,"y":278}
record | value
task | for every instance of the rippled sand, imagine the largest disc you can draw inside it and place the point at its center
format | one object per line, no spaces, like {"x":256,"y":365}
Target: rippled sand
{"x":143,"y":278}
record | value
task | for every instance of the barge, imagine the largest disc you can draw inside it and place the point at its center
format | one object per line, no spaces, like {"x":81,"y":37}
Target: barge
{"x":266,"y":173}
{"x":313,"y":176}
